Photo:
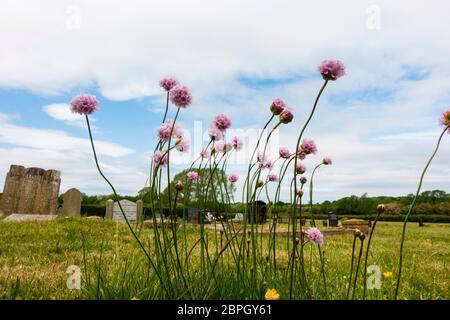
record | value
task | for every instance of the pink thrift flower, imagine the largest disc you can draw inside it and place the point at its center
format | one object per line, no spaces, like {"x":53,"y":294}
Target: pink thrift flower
{"x":205,"y":153}
{"x":84,"y":104}
{"x":327,"y":161}
{"x":215,"y":134}
{"x":301,"y":168}
{"x":221,"y":122}
{"x":299,"y":192}
{"x":445,"y":119}
{"x":314,"y":235}
{"x":303,"y":180}
{"x":166,"y":128}
{"x":233,"y":178}
{"x":284,"y":153}
{"x":192,"y":176}
{"x":273,"y":177}
{"x":261,"y":158}
{"x":182,"y":145}
{"x":237,"y":143}
{"x":268,"y":164}
{"x":168,"y":83}
{"x":180,"y":96}
{"x":331,"y":69}
{"x":219,"y":146}
{"x":286,"y":116}
{"x":160,"y":158}
{"x":308,"y":146}
{"x":277,"y":106}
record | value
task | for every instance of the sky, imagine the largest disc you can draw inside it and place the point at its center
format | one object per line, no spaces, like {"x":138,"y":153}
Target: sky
{"x":379,"y":122}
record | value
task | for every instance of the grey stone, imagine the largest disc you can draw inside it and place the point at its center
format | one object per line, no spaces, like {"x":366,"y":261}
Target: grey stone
{"x":129,"y":209}
{"x":20,"y":217}
{"x":109,"y":209}
{"x":94,"y":218}
{"x":31,"y":191}
{"x":72,"y":203}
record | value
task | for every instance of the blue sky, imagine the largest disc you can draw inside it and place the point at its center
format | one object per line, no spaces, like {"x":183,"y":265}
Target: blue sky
{"x":379,"y":122}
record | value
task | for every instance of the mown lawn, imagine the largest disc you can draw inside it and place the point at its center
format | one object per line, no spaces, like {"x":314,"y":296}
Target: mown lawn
{"x":34,"y":257}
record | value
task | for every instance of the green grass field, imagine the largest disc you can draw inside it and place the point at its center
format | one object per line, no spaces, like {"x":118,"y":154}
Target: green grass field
{"x":34,"y":257}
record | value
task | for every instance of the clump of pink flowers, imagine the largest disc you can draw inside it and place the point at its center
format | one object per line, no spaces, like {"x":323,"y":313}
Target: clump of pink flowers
{"x":445,"y":119}
{"x":307,"y":147}
{"x":314,"y":235}
{"x":301,"y":168}
{"x":180,"y":96}
{"x":166,"y":128}
{"x":331,"y":69}
{"x":219,"y":147}
{"x":286,"y":116}
{"x":160,"y":158}
{"x":237,"y":143}
{"x":221,"y":122}
{"x":277,"y":106}
{"x":192,"y":176}
{"x":233,"y":178}
{"x":182,"y":145}
{"x":284,"y":153}
{"x":272,"y":177}
{"x":215,"y":134}
{"x":84,"y":104}
{"x":327,"y":161}
{"x":168,"y":83}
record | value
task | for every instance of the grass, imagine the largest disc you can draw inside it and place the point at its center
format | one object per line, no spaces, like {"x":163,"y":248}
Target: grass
{"x":34,"y":257}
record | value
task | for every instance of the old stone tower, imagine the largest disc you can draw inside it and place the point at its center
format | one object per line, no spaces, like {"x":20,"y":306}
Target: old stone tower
{"x":30,"y":190}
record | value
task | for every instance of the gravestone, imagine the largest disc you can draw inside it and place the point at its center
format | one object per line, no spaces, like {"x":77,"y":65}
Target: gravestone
{"x":360,"y":224}
{"x":20,"y":217}
{"x":130,"y":209}
{"x":333,"y":220}
{"x":239,"y":217}
{"x":193,"y":215}
{"x":72,"y":203}
{"x":31,"y":191}
{"x":109,"y":209}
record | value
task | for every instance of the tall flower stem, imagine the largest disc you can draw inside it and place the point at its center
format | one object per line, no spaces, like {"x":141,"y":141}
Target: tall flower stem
{"x":412,"y":207}
{"x":351,"y":267}
{"x":121,"y":209}
{"x":367,"y":253}
{"x":357,"y":266}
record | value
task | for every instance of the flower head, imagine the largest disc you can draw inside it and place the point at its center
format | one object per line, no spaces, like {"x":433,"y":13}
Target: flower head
{"x":314,"y":235}
{"x":445,"y":119}
{"x":261,"y":157}
{"x":180,"y":96}
{"x":179,"y":185}
{"x":237,"y":143}
{"x":219,"y":146}
{"x":284,"y":153}
{"x":277,"y":106}
{"x":388,"y":274}
{"x":303,"y":180}
{"x":272,"y":177}
{"x":215,"y":134}
{"x":160,"y":158}
{"x":168,"y":83}
{"x":286,"y":116}
{"x":205,"y":153}
{"x":84,"y":104}
{"x":182,"y":145}
{"x":272,"y":294}
{"x":299,"y":192}
{"x":331,"y":69}
{"x":233,"y":178}
{"x":327,"y":161}
{"x":192,"y":176}
{"x":166,"y":128}
{"x":221,"y":122}
{"x":301,"y":168}
{"x":267,"y":164}
{"x":307,"y":147}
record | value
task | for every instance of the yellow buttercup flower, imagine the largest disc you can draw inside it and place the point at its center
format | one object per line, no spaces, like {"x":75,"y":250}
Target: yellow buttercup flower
{"x":388,"y":274}
{"x":272,"y":294}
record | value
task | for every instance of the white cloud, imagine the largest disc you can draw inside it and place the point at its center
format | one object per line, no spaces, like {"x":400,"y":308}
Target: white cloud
{"x":61,"y":111}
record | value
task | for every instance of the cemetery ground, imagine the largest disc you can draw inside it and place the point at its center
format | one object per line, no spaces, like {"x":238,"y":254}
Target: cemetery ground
{"x":34,"y":257}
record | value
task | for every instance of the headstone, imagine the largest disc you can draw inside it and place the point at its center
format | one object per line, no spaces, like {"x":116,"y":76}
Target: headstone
{"x":19,"y":217}
{"x":333,"y":220}
{"x":31,"y":191}
{"x":72,"y":203}
{"x":109,"y":209}
{"x":129,"y":209}
{"x":360,"y":224}
{"x":239,"y":217}
{"x":193,"y":215}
